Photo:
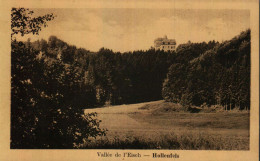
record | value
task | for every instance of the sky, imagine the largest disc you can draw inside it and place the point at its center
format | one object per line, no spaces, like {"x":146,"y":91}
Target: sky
{"x":135,"y":29}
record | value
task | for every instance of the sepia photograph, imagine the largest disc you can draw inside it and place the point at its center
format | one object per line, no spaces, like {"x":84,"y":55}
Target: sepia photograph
{"x":130,"y":81}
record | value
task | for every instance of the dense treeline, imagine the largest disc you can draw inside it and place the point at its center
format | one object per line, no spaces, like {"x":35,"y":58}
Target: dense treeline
{"x":111,"y":77}
{"x":198,"y":73}
{"x":217,"y":76}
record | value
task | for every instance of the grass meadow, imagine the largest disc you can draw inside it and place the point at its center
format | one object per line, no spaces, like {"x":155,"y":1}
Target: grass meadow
{"x":160,"y":125}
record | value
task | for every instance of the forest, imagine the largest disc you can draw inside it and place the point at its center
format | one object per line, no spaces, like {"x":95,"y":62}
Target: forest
{"x":210,"y":73}
{"x":217,"y":76}
{"x":53,"y":81}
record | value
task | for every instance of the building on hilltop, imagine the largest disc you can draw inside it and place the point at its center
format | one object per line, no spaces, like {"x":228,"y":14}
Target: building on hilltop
{"x":165,"y":44}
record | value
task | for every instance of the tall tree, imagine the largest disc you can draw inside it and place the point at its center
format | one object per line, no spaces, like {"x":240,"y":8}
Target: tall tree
{"x":41,"y":116}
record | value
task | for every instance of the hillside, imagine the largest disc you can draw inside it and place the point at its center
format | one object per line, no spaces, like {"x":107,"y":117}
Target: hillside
{"x":218,"y":76}
{"x":159,"y":125}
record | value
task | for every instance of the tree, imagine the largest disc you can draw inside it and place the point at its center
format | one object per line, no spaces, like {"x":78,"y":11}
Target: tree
{"x":211,"y":73}
{"x":23,"y":22}
{"x":40,"y":115}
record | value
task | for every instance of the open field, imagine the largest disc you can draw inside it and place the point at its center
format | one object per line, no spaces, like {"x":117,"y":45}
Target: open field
{"x":149,"y":125}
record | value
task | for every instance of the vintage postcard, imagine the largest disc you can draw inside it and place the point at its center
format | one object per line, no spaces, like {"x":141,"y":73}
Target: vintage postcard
{"x":129,"y":80}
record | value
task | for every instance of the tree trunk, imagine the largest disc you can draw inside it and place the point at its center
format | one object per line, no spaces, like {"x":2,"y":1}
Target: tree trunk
{"x":230,"y":104}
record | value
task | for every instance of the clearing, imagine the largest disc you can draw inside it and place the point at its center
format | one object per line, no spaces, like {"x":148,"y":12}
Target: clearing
{"x":152,"y":122}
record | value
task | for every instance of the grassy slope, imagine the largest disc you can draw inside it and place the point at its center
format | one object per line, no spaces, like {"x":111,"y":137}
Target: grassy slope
{"x":197,"y":120}
{"x":156,"y":125}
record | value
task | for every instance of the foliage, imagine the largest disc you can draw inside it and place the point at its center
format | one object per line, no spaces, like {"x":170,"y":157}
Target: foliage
{"x":45,"y":107}
{"x":197,"y":73}
{"x":219,"y":75}
{"x":23,"y":22}
{"x":113,"y":77}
